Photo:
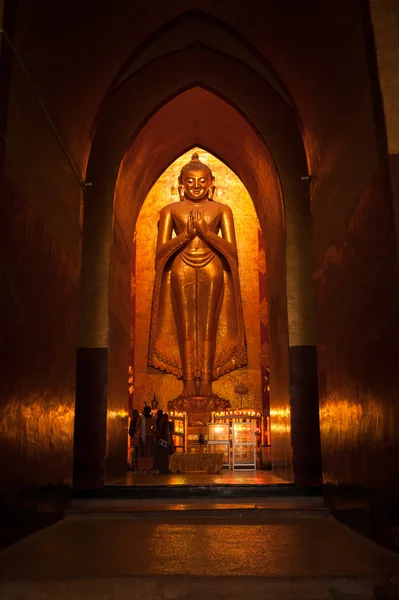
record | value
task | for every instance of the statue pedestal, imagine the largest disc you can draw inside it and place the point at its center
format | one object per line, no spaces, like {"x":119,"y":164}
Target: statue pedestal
{"x":199,"y":408}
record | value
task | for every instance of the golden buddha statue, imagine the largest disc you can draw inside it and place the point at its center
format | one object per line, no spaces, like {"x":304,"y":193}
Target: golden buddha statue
{"x":197,"y":328}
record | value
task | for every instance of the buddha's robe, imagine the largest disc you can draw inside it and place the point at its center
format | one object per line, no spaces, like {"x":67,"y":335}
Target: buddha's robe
{"x":197,"y":328}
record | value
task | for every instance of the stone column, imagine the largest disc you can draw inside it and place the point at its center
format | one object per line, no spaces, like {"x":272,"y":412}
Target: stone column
{"x":90,"y":437}
{"x":304,"y":395}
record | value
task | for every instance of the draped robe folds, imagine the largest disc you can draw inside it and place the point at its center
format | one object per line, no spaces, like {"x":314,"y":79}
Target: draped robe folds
{"x":230,"y":337}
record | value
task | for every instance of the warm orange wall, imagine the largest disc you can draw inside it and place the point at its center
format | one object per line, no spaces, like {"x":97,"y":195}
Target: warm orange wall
{"x":38,"y":349}
{"x":356,"y":279}
{"x":40,"y":250}
{"x":357,"y":303}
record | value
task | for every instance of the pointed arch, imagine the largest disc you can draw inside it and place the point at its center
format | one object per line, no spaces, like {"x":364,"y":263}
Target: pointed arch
{"x":263,"y":144}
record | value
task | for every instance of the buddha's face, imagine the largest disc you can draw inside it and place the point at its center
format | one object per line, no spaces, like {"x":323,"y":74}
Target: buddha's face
{"x":196,"y":184}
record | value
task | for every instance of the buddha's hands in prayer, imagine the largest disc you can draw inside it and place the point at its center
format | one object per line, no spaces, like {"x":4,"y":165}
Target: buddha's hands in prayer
{"x":199,"y":224}
{"x":190,"y":226}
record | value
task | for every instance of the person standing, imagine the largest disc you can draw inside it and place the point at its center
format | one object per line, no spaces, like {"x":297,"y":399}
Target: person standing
{"x":145,"y":437}
{"x":158,"y":419}
{"x":133,"y":444}
{"x":163,"y":445}
{"x":157,"y":431}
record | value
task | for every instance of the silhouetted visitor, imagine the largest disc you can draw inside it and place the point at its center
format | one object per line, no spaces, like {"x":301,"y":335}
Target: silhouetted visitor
{"x":163,"y":445}
{"x":158,"y":418}
{"x":157,"y":430}
{"x":145,"y":437}
{"x":133,"y":443}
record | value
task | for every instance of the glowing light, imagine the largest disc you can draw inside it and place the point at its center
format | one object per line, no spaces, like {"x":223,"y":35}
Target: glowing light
{"x":114,"y":414}
{"x":280,"y":428}
{"x":280,"y":412}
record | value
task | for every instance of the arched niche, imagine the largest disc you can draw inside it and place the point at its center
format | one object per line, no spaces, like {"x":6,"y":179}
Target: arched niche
{"x":156,"y":146}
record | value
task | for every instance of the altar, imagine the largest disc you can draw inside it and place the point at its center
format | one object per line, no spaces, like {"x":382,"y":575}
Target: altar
{"x":201,"y":461}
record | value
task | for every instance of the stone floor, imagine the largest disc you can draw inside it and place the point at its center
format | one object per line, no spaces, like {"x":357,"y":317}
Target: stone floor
{"x":97,"y":556}
{"x":225,"y":477}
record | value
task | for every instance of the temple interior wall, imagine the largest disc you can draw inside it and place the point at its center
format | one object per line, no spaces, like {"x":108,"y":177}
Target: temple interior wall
{"x":40,"y":248}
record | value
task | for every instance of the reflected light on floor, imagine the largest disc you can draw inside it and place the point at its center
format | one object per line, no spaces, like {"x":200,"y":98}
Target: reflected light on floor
{"x":179,"y":545}
{"x":195,"y":478}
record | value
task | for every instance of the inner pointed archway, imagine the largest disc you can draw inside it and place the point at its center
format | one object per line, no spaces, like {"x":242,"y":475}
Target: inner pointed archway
{"x":199,"y":117}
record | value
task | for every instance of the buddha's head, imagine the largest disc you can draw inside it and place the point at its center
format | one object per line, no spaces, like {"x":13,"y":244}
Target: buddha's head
{"x":196,"y":181}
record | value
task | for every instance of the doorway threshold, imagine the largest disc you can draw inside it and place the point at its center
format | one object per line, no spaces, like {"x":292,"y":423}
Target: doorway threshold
{"x":186,"y":508}
{"x":199,"y":478}
{"x":228,"y":484}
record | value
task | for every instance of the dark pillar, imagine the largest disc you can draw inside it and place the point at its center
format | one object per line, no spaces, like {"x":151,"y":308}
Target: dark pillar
{"x":90,"y":418}
{"x":8,"y":14}
{"x":305,"y":422}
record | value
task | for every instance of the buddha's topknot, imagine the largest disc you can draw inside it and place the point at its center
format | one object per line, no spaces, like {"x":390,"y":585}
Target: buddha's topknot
{"x":196,"y":165}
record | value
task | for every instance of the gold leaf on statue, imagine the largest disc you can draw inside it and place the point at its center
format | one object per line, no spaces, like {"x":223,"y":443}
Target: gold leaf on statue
{"x":246,"y":226}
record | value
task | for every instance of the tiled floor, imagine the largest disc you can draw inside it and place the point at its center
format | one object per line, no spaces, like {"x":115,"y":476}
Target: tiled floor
{"x":93,"y":556}
{"x":203,"y":479}
{"x":100,"y":547}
